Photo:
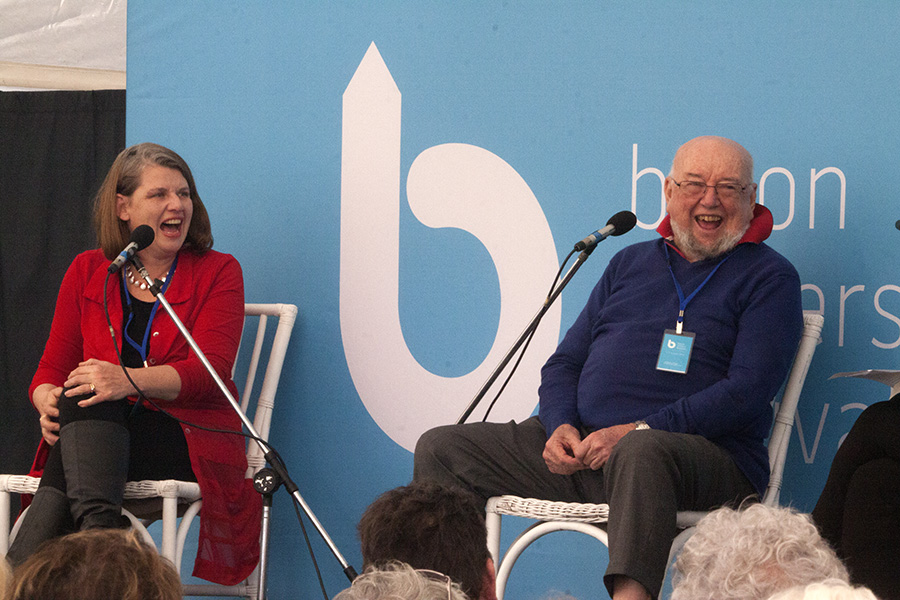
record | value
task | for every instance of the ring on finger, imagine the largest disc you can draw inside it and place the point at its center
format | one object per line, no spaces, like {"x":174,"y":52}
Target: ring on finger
{"x":93,"y":389}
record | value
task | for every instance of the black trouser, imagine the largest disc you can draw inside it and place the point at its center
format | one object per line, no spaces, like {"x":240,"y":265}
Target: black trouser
{"x":649,"y":477}
{"x":157,"y":451}
{"x":859,"y":509}
{"x":84,"y":477}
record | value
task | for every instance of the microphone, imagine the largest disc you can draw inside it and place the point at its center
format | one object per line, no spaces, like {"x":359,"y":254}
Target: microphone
{"x":141,"y":237}
{"x":897,"y":224}
{"x":619,"y":223}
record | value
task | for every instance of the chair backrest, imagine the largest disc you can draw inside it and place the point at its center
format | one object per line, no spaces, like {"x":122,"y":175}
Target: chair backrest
{"x":787,"y":408}
{"x":264,"y":402}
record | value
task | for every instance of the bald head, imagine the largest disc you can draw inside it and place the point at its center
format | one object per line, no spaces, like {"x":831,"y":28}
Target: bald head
{"x":713,"y":145}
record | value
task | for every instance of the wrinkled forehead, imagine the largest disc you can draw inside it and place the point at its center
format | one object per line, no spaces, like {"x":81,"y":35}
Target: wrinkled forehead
{"x":713,"y":157}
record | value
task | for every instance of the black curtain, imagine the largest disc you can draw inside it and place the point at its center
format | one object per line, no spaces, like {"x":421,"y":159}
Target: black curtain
{"x":55,"y":149}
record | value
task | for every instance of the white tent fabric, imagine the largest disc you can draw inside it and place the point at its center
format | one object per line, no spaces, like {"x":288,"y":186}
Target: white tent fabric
{"x":62,"y":44}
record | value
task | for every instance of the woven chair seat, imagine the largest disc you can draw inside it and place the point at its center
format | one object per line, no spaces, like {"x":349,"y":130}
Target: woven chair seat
{"x":187,"y":491}
{"x":545,"y":510}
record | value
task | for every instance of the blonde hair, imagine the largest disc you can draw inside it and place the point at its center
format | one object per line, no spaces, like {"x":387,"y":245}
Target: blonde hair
{"x":5,"y":577}
{"x":123,"y":178}
{"x":96,"y":564}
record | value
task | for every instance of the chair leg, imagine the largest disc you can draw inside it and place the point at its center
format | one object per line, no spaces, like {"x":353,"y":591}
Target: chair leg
{"x":532,"y":534}
{"x":4,"y":523}
{"x":167,"y":546}
{"x":183,"y":529}
{"x":493,"y":521}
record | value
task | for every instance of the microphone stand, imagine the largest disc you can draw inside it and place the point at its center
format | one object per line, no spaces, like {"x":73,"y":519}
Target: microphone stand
{"x":528,"y":331}
{"x":267,"y":480}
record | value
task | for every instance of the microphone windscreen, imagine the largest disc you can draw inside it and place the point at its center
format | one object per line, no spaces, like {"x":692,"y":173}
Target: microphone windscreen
{"x":142,"y":236}
{"x":623,"y":221}
{"x":897,"y":224}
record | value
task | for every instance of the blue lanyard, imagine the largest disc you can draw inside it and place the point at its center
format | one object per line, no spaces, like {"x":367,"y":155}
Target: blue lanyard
{"x":682,"y":301}
{"x":144,"y":346}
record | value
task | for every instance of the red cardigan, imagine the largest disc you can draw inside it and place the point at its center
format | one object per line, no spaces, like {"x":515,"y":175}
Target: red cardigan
{"x":207,"y":293}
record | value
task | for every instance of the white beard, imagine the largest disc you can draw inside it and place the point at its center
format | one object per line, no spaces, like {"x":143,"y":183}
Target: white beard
{"x":694,"y":250}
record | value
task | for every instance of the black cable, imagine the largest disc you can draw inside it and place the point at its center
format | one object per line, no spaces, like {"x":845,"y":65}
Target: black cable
{"x":528,"y":341}
{"x":312,"y":554}
{"x":143,"y":397}
{"x":271,"y":456}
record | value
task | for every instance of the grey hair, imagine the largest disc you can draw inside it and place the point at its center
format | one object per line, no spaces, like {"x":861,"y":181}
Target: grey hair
{"x":831,"y":589}
{"x":752,"y":553}
{"x":398,"y":581}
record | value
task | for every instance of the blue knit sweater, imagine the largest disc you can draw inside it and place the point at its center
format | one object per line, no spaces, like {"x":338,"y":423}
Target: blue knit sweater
{"x":747,"y":320}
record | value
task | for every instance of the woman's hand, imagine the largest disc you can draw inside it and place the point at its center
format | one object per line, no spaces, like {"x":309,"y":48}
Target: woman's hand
{"x":104,"y":380}
{"x":46,"y":400}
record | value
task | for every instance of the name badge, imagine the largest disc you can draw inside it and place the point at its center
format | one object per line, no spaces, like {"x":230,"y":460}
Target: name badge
{"x":675,"y":353}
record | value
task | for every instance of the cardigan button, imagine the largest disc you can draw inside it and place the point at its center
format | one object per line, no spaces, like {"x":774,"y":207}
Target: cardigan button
{"x":155,"y":333}
{"x":152,"y":361}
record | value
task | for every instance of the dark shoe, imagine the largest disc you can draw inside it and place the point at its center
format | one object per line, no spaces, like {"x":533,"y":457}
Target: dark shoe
{"x":47,"y":517}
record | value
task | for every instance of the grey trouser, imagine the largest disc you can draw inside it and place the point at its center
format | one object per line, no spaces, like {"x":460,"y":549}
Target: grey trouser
{"x":649,"y":477}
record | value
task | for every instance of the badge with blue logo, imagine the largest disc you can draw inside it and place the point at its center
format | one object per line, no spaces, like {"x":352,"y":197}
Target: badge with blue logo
{"x":675,"y":354}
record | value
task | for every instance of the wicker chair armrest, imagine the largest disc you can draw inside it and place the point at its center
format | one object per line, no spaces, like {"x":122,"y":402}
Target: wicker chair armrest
{"x":19,"y":484}
{"x":188,"y":491}
{"x":545,"y":510}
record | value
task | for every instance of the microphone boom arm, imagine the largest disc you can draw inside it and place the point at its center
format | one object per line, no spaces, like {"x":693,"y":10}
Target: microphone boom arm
{"x":532,"y":325}
{"x":276,"y":465}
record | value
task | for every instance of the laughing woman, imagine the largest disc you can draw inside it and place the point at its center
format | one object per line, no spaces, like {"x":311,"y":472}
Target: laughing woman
{"x":93,"y":438}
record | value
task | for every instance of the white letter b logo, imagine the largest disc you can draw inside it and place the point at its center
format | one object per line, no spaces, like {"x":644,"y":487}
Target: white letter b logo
{"x":449,"y":185}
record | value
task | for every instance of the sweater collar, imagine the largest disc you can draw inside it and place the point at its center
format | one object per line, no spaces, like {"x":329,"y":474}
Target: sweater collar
{"x":760,"y":227}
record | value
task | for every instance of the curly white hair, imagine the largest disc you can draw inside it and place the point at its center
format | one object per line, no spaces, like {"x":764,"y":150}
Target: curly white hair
{"x":752,"y":553}
{"x":831,"y":589}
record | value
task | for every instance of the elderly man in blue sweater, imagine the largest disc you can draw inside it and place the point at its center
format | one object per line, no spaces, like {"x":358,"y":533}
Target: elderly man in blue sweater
{"x":658,"y":398}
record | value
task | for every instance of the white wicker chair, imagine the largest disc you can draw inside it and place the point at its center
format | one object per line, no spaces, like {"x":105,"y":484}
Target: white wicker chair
{"x":170,"y":499}
{"x":583,"y":518}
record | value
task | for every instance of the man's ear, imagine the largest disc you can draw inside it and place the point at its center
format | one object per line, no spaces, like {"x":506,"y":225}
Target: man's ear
{"x":489,"y":582}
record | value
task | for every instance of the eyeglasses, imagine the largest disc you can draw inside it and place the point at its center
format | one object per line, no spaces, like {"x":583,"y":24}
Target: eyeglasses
{"x":725,"y":190}
{"x":437,"y":576}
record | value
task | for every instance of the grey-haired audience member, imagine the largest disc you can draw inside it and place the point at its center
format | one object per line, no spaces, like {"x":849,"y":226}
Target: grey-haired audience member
{"x":751,"y":554}
{"x":832,"y":589}
{"x":399,"y":581}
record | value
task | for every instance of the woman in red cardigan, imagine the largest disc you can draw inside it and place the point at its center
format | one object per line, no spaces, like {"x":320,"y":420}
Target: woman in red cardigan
{"x":94,"y":438}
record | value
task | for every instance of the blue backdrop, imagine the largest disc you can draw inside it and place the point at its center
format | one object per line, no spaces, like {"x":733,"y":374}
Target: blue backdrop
{"x":411,"y":173}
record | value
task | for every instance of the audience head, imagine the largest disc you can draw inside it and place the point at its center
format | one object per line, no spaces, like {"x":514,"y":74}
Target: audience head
{"x":5,"y":577}
{"x":430,"y":526}
{"x":96,"y":564}
{"x":752,"y":553}
{"x":831,"y":589}
{"x":399,"y":581}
